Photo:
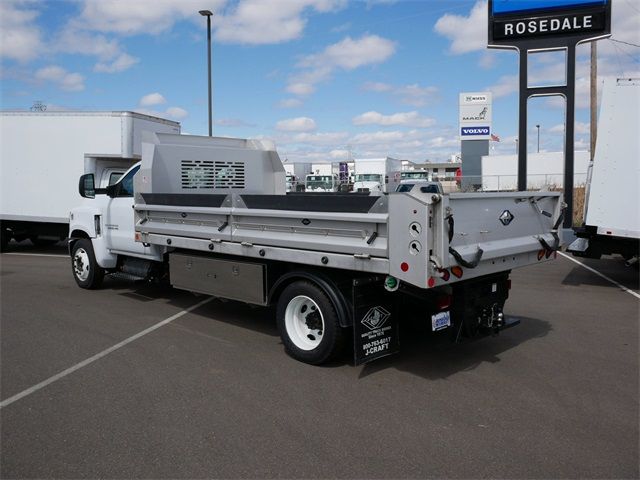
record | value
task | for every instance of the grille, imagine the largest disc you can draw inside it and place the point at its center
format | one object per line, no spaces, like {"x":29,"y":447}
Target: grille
{"x":209,"y":174}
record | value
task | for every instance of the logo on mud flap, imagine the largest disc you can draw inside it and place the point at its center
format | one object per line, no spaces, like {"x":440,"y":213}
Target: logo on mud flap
{"x":375,"y":318}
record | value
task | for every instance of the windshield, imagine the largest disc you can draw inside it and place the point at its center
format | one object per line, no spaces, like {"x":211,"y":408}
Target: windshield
{"x":369,"y":177}
{"x":405,"y":187}
{"x":320,"y":181}
{"x":415,"y":175}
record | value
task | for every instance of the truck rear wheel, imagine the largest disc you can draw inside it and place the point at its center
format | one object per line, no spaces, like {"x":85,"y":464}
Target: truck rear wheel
{"x":86,"y":271}
{"x":308,"y":324}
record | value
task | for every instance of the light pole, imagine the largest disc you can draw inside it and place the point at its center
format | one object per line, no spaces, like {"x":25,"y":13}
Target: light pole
{"x":538,"y":127}
{"x":208,"y":14}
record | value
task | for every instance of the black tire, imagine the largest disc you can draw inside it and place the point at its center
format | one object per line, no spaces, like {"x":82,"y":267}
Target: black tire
{"x":323,"y":344}
{"x":85,"y":269}
{"x":42,"y":242}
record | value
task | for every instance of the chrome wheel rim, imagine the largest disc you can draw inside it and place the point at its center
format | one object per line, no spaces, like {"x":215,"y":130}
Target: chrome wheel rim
{"x":81,"y":265}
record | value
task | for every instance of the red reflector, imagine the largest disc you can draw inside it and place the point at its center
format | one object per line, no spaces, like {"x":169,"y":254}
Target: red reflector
{"x":444,"y":302}
{"x":457,"y":271}
{"x":404,"y":266}
{"x":431,"y":282}
{"x":509,"y":284}
{"x":540,"y":254}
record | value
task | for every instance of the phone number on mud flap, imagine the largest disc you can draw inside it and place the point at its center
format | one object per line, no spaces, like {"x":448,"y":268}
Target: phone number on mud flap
{"x":376,"y":346}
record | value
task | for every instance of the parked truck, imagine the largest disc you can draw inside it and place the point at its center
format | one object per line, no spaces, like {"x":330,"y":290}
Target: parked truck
{"x":210,"y":215}
{"x":43,"y":153}
{"x":377,"y":174}
{"x":612,"y":197}
{"x":296,"y":173}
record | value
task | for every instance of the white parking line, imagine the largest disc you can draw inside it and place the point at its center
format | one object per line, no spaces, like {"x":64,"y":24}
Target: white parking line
{"x":98,"y":356}
{"x":622,"y":287}
{"x":36,"y":255}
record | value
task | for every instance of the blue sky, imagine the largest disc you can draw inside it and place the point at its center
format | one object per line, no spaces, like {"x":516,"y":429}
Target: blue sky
{"x":319,"y":77}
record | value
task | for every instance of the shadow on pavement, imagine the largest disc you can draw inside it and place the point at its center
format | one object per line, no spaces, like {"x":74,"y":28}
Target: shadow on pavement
{"x":436,"y":357}
{"x":612,"y":267}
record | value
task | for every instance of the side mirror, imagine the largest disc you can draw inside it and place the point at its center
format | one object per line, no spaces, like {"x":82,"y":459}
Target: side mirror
{"x":112,"y":190}
{"x":86,"y":186}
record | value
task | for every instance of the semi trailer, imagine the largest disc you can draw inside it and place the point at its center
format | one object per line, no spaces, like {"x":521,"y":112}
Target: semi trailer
{"x":210,"y":215}
{"x":43,"y":153}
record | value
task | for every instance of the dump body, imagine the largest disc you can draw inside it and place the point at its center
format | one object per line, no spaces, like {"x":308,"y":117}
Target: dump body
{"x":414,"y":237}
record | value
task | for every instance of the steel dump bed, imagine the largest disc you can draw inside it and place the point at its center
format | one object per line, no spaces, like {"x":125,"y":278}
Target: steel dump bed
{"x":227,"y":197}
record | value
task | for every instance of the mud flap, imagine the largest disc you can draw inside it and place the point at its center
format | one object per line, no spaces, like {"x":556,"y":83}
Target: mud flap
{"x":375,"y":321}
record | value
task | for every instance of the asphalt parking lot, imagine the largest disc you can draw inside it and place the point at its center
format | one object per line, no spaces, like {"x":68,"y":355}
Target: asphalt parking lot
{"x":212,"y":394}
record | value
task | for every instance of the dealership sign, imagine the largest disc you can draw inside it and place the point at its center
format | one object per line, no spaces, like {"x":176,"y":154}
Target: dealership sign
{"x":475,"y":116}
{"x":511,"y":22}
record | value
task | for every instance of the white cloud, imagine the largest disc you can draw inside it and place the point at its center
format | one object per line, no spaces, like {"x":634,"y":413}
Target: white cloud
{"x":262,"y":22}
{"x":290,"y":103}
{"x":350,"y":54}
{"x":70,"y":82}
{"x":20,"y":38}
{"x":377,"y":87}
{"x":347,"y":54}
{"x":127,"y":17}
{"x":413,"y":94}
{"x":507,"y":84}
{"x":299,"y":124}
{"x":467,"y":33}
{"x":152,"y":99}
{"x":176,"y":112}
{"x":324,"y":138}
{"x":408,"y":119}
{"x":120,"y":64}
{"x":581,"y":128}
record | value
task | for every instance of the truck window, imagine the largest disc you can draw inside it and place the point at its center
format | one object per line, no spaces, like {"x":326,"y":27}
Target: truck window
{"x":114,"y":177}
{"x":126,"y":184}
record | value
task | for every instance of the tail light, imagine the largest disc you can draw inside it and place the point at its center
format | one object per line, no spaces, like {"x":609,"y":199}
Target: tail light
{"x":443,"y":302}
{"x":540,"y":254}
{"x":457,"y":271}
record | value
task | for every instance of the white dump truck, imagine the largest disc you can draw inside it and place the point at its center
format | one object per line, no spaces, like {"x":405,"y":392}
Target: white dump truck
{"x":42,"y":154}
{"x":377,"y":174}
{"x":612,"y":203}
{"x":210,"y":215}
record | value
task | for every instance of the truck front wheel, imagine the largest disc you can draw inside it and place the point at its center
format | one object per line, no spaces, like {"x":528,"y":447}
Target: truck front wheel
{"x":86,"y":271}
{"x":308,"y":324}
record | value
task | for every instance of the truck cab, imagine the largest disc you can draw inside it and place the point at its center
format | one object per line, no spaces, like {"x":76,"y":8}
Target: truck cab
{"x":321,"y":183}
{"x":101,"y":229}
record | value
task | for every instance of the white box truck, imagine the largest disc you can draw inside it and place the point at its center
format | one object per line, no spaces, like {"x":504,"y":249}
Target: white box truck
{"x":612,"y":204}
{"x":42,"y":154}
{"x":377,"y":174}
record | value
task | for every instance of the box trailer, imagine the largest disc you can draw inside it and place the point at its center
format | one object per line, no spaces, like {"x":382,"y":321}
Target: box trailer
{"x":212,"y":216}
{"x":612,"y":197}
{"x":43,"y":153}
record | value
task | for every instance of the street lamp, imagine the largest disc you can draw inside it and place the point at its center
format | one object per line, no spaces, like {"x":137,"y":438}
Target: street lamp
{"x":208,"y":14}
{"x":538,"y":127}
